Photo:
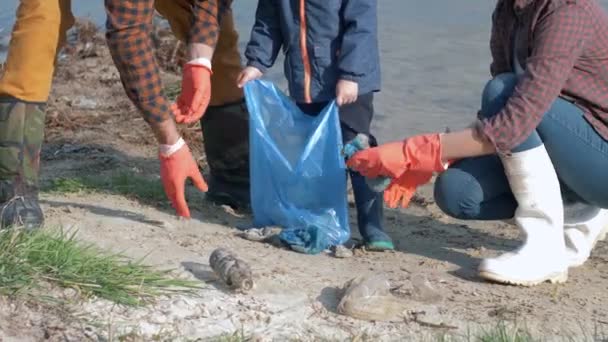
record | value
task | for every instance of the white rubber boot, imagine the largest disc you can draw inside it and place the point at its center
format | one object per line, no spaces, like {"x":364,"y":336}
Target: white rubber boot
{"x":582,"y":233}
{"x":540,"y":216}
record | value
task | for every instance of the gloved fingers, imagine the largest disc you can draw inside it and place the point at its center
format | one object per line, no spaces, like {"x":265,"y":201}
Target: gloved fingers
{"x":181,"y":109}
{"x":177,"y":113}
{"x":359,"y":161}
{"x":406,"y":197}
{"x":387,"y":197}
{"x":198,"y":180}
{"x":396,"y":198}
{"x":392,"y":203}
{"x":391,"y":195}
{"x":198,"y":106}
{"x":180,"y":201}
{"x":170,"y":193}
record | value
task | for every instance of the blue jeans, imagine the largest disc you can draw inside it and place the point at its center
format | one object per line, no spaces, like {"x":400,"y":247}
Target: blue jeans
{"x":477,"y":188}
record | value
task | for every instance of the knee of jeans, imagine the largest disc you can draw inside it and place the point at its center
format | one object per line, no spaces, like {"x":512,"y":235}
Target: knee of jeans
{"x":458,"y":195}
{"x":496,"y":93}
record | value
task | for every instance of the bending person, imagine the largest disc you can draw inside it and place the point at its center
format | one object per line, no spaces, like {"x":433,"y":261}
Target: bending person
{"x":207,"y":28}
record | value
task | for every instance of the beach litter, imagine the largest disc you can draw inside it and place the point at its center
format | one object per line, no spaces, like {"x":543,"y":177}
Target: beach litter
{"x":342,"y":252}
{"x":233,"y":271}
{"x":370,"y":298}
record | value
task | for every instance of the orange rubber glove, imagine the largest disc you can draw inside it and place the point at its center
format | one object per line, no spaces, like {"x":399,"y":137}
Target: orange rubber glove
{"x":418,"y":153}
{"x":174,"y":170}
{"x":402,"y":189}
{"x":411,"y":163}
{"x":195,"y":96}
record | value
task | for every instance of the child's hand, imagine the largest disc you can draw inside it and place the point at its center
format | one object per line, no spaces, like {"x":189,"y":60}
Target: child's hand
{"x":346,"y":92}
{"x":248,"y":74}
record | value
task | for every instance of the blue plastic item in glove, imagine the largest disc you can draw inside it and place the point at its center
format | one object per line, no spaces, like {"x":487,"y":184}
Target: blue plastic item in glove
{"x":360,"y":143}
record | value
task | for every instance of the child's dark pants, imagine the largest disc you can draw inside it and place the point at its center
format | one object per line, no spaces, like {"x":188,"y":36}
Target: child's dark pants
{"x":356,"y":118}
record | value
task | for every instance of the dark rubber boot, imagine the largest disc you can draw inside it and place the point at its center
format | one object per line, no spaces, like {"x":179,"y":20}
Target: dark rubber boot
{"x":370,"y":214}
{"x":226,"y":139}
{"x":21,"y":136}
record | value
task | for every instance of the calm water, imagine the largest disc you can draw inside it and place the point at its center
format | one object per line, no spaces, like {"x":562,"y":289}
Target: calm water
{"x":434,"y":53}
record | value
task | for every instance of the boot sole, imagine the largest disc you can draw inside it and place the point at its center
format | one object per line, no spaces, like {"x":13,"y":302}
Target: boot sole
{"x":553,"y":279}
{"x":379,"y":247}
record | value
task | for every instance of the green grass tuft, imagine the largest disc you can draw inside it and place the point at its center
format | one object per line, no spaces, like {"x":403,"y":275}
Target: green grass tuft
{"x":29,"y":259}
{"x":123,"y":183}
{"x":237,"y":336}
{"x":503,"y":333}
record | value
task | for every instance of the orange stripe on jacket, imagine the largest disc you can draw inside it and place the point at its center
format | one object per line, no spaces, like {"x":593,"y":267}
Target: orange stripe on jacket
{"x":305,"y":57}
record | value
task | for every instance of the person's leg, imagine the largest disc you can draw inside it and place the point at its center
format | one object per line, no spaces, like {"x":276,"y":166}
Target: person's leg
{"x":579,"y":153}
{"x":471,"y":189}
{"x":539,"y":214}
{"x":226,"y":123}
{"x":525,"y":187}
{"x":580,"y":156}
{"x":356,"y":118}
{"x":39,"y":31}
{"x":477,"y":188}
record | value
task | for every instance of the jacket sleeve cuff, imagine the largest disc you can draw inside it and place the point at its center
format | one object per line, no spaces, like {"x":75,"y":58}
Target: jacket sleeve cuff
{"x":257,"y":65}
{"x":350,"y":77}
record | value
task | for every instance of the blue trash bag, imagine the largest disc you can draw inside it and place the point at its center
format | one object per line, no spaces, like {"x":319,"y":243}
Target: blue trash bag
{"x":297,"y":170}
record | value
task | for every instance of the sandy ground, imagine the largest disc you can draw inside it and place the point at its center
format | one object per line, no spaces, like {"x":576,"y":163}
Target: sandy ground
{"x":93,"y":130}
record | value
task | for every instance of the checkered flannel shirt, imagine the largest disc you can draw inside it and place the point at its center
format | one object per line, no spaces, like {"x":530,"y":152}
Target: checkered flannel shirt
{"x":128,"y":28}
{"x":565,"y":53}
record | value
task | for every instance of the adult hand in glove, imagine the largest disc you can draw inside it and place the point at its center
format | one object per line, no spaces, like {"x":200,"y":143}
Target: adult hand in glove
{"x":196,"y":92}
{"x":176,"y":165}
{"x":410,"y":163}
{"x":418,"y":153}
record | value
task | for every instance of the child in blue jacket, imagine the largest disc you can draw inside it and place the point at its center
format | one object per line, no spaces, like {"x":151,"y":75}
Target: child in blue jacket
{"x":331,"y":52}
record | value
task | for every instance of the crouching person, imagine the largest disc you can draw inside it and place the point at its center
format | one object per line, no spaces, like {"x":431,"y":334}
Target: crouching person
{"x":542,"y":131}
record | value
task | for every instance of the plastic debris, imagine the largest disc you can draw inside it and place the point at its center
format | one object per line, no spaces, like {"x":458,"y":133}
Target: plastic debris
{"x":369,"y":298}
{"x":342,"y":252}
{"x":231,"y":270}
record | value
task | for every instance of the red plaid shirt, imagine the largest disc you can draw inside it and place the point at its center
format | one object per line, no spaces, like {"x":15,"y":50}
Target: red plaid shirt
{"x":564,"y":48}
{"x":129,"y":24}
